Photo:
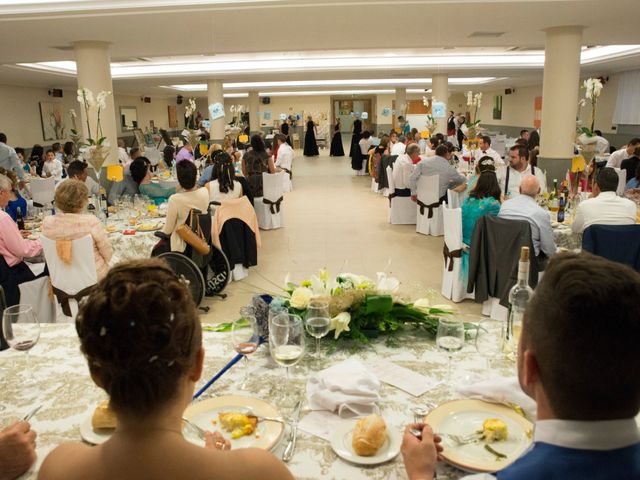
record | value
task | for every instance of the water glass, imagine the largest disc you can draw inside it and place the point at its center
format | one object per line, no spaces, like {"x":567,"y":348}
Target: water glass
{"x":21,"y":331}
{"x":450,"y":338}
{"x":245,"y":337}
{"x":489,"y":339}
{"x":317,"y":321}
{"x":286,"y":343}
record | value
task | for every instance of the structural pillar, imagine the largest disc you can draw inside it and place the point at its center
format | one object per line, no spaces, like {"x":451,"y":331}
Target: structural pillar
{"x":401,"y":102}
{"x":93,"y":63}
{"x":214,"y":95}
{"x":254,"y":112}
{"x":440,"y":93}
{"x":560,"y":87}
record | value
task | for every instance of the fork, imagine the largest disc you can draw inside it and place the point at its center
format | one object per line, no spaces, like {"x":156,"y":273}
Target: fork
{"x":196,"y":428}
{"x":463,"y":439}
{"x":250,"y":413}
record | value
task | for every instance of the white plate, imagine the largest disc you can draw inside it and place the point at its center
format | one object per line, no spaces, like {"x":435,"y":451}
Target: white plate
{"x":204,"y":413}
{"x":462,"y":417}
{"x":89,"y":435}
{"x":341,"y":443}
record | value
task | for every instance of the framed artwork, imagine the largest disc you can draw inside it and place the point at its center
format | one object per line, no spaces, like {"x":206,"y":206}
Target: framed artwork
{"x":139,"y":137}
{"x":51,"y":119}
{"x":497,"y":107}
{"x":173,"y":116}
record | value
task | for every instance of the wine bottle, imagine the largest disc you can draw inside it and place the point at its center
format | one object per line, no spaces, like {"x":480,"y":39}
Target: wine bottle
{"x":553,"y":197}
{"x":561,"y":207}
{"x":19,"y":219}
{"x":519,"y":297}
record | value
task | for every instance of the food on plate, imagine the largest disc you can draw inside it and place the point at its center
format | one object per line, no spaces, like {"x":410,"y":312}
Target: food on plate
{"x":368,"y":435}
{"x":148,"y":226}
{"x":111,"y":209}
{"x":111,"y":228}
{"x":104,"y":418}
{"x":494,"y":430}
{"x":238,"y":423}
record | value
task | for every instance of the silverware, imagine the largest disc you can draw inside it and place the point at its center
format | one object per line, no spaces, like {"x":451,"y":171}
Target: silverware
{"x":194,"y":427}
{"x":288,"y":450}
{"x":418,"y":417}
{"x":463,"y":439}
{"x":249,"y":413}
{"x":29,"y":415}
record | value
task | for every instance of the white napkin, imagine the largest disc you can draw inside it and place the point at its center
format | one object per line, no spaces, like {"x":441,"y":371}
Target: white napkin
{"x":347,"y":387}
{"x":501,"y":390}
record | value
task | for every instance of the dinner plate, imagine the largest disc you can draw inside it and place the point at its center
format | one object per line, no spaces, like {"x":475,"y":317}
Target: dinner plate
{"x":462,"y":417}
{"x":205,"y":415}
{"x":89,"y":435}
{"x":341,"y":443}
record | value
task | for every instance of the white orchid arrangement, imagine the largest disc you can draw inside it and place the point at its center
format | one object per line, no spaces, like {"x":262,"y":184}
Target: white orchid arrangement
{"x":431,"y":122}
{"x":474,"y":101}
{"x":90,"y":102}
{"x":592,"y":89}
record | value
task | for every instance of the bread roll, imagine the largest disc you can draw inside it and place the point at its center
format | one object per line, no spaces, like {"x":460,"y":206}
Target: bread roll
{"x":104,"y":418}
{"x":368,"y":435}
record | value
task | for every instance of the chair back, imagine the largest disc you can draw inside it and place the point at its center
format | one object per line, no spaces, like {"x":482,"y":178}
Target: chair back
{"x":390,"y":181}
{"x":3,"y":305}
{"x":618,"y":243}
{"x":272,"y":184}
{"x":428,"y":190}
{"x":622,"y":181}
{"x":43,"y":190}
{"x":452,"y":219}
{"x":455,"y":199}
{"x":80,"y":274}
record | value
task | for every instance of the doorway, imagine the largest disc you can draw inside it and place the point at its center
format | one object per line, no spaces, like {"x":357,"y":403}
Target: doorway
{"x":348,"y":110}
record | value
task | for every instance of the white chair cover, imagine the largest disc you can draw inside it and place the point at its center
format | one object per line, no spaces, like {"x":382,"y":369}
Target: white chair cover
{"x":36,"y":294}
{"x":622,"y":181}
{"x":491,"y":308}
{"x":453,"y":286}
{"x":402,"y":210}
{"x":287,"y":183}
{"x":455,"y":199}
{"x":73,"y":278}
{"x":374,"y":185}
{"x":43,"y":190}
{"x":428,"y":193}
{"x":270,"y":215}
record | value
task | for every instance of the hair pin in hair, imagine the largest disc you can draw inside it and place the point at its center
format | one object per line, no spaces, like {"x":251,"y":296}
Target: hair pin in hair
{"x":172,"y":317}
{"x":171,"y":363}
{"x":132,"y":324}
{"x":103,"y":331}
{"x":153,"y":359}
{"x":487,"y":162}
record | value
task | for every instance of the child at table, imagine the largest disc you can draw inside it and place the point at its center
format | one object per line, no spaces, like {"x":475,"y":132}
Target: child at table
{"x":141,"y":335}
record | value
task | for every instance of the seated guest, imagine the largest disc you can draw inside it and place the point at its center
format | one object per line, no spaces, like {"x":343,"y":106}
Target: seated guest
{"x":486,"y":150}
{"x":78,"y":170}
{"x":483,"y":199}
{"x":180,"y":204}
{"x":449,"y":178}
{"x":9,"y":159}
{"x":141,"y":174}
{"x":432,"y":144}
{"x":254,"y":163}
{"x":185,"y":153}
{"x":36,"y":159}
{"x":584,"y":378}
{"x":634,"y":182}
{"x":365,"y":143}
{"x":524,"y":207}
{"x":524,"y":134}
{"x":69,"y":152}
{"x":52,"y":167}
{"x":141,"y":335}
{"x":284,"y":161}
{"x":123,"y":156}
{"x":518,"y":168}
{"x":168,"y":155}
{"x":16,"y":201}
{"x":17,"y":450}
{"x":403,"y":168}
{"x":605,"y":207}
{"x":602,"y":144}
{"x":616,"y":158}
{"x":135,"y":153}
{"x":521,"y":142}
{"x":23,"y":160}
{"x":534,"y":140}
{"x":225,"y":186}
{"x":73,"y":222}
{"x":207,"y":173}
{"x":400,"y":146}
{"x":630,"y":164}
{"x":126,"y":188}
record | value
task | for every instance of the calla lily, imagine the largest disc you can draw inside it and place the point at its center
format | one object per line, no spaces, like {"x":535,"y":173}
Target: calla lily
{"x":422,"y":304}
{"x":340,"y":323}
{"x":444,"y":307}
{"x":387,"y":284}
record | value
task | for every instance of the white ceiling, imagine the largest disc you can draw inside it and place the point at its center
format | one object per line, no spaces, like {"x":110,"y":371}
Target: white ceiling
{"x":38,"y":31}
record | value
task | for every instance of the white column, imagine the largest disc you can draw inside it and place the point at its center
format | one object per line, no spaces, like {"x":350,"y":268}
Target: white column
{"x":560,"y":89}
{"x":440,"y":93}
{"x":94,"y":72}
{"x":214,"y":95}
{"x":401,"y":102}
{"x":254,"y":111}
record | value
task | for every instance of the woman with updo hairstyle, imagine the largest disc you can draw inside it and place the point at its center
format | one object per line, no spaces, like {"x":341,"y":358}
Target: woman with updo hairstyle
{"x":224,"y":186}
{"x":72,"y":222}
{"x":141,"y":336}
{"x":483,"y":199}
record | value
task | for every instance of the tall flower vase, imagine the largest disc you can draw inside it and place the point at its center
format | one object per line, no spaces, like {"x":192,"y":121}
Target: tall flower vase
{"x":193,"y":137}
{"x":96,"y":156}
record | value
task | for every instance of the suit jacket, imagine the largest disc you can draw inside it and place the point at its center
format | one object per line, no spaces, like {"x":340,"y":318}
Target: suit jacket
{"x":619,"y":243}
{"x":385,"y":161}
{"x":239,"y":243}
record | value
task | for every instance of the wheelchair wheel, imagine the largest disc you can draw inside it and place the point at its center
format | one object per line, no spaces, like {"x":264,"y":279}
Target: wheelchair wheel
{"x":219,"y":273}
{"x":186,"y":269}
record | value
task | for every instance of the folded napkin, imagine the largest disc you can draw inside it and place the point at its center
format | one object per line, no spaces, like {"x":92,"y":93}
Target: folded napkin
{"x":501,"y":390}
{"x":347,"y":387}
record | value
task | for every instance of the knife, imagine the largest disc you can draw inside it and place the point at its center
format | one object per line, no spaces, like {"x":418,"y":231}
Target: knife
{"x":288,"y":450}
{"x":29,"y":415}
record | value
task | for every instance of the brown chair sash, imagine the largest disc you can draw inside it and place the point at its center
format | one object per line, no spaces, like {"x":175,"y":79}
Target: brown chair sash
{"x":450,"y":255}
{"x":430,"y":207}
{"x":288,"y":171}
{"x":274,"y":206}
{"x":64,"y":297}
{"x":391,"y":195}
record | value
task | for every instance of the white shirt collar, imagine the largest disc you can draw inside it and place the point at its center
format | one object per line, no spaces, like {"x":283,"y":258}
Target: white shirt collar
{"x":601,"y":435}
{"x":607,"y":195}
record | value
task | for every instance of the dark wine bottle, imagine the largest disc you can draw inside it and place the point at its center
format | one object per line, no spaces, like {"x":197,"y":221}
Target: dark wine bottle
{"x":19,"y":219}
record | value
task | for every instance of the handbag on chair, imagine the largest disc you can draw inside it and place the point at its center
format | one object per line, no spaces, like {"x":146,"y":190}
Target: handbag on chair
{"x":192,"y":234}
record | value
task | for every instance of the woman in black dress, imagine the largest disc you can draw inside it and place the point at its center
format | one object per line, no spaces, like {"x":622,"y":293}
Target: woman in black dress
{"x":284,"y":129}
{"x":355,"y":139}
{"x":336,"y":142}
{"x":310,"y":145}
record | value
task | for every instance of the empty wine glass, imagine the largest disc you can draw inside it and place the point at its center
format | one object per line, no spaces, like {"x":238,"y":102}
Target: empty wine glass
{"x":21,"y":331}
{"x":244,"y":333}
{"x":489,"y":339}
{"x":450,"y":338}
{"x":286,"y":343}
{"x":318,"y":321}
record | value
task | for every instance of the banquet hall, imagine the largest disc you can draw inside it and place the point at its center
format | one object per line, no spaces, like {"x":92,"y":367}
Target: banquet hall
{"x":376,"y":204}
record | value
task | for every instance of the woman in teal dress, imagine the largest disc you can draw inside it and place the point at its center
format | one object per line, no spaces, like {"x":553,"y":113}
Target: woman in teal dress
{"x":483,"y":199}
{"x":141,"y":174}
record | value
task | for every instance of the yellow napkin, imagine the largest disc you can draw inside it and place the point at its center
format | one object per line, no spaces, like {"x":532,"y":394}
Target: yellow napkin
{"x":63,"y":249}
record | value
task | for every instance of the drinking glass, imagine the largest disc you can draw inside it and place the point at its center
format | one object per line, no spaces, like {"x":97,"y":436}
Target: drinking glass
{"x":286,"y":343}
{"x":21,"y":331}
{"x":489,"y":339}
{"x":450,"y":338}
{"x":318,"y":321}
{"x":245,"y":336}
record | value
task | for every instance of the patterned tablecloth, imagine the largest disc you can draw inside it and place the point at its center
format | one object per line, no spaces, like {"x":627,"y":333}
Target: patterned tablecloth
{"x":565,"y":238}
{"x":68,"y":395}
{"x":129,"y":247}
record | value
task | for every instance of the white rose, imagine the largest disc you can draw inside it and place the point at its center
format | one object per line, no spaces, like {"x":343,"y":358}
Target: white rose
{"x":422,"y":304}
{"x":340,"y":323}
{"x":300,"y":298}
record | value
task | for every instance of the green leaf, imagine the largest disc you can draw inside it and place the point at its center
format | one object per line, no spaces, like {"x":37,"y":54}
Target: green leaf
{"x":377,"y":304}
{"x":225,"y":327}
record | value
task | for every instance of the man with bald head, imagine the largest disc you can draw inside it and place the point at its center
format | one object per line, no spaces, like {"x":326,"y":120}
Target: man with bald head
{"x":524,"y":207}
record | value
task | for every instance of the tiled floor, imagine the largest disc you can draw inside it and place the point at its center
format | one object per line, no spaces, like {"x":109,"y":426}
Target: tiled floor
{"x":334,"y":220}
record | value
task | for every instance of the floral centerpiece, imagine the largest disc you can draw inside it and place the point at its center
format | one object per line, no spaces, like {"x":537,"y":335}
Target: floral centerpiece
{"x":95,"y":149}
{"x":191,"y":133}
{"x":237,"y":125}
{"x":75,"y":135}
{"x":587,"y":140}
{"x":430,"y":122}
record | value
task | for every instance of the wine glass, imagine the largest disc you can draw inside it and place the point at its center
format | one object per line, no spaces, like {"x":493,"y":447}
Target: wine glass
{"x":450,"y":338}
{"x":286,"y":343}
{"x":21,"y":331}
{"x":489,"y":338}
{"x":244,"y":333}
{"x":318,"y":321}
